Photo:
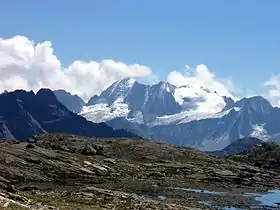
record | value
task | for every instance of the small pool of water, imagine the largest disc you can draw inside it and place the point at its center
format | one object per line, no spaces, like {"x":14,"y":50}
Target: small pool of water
{"x":161,"y":197}
{"x":270,"y":198}
{"x":208,"y":203}
{"x":202,"y":191}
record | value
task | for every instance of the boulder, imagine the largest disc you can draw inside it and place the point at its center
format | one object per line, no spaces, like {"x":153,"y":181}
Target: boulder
{"x":30,"y":146}
{"x":99,"y":149}
{"x":110,"y":160}
{"x":85,"y":170}
{"x":11,"y":188}
{"x":88,"y":150}
{"x":99,"y":169}
{"x":156,"y":174}
{"x":32,"y":140}
{"x":225,"y":173}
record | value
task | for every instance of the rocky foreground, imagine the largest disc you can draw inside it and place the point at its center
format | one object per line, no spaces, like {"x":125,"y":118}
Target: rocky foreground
{"x":56,"y":171}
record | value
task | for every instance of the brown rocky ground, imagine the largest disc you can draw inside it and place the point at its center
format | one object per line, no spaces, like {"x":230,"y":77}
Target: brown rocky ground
{"x":57,"y":171}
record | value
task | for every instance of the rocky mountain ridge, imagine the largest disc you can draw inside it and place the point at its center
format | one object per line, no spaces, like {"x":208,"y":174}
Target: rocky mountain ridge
{"x":183,"y":115}
{"x":146,"y":103}
{"x":72,"y":102}
{"x":24,"y":114}
{"x":137,"y":108}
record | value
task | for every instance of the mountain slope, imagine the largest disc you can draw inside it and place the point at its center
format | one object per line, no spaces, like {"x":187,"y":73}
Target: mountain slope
{"x":187,"y":115}
{"x":254,"y":117}
{"x":72,"y":102}
{"x":265,"y":155}
{"x":25,"y":114}
{"x":57,"y":172}
{"x":20,"y":123}
{"x":238,"y":146}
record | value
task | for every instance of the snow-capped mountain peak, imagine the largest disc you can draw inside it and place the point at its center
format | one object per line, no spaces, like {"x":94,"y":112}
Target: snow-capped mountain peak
{"x":126,"y":83}
{"x":120,"y":87}
{"x":165,"y":86}
{"x":158,"y":100}
{"x":256,"y":104}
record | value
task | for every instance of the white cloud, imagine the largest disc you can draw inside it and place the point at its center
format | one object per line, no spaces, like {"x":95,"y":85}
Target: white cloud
{"x":200,"y":83}
{"x":202,"y":77}
{"x":27,"y":65}
{"x":273,"y":94}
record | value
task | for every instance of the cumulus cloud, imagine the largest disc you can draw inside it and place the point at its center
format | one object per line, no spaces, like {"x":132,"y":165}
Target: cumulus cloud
{"x":200,"y":76}
{"x":27,"y":65}
{"x":273,"y":94}
{"x":31,"y":66}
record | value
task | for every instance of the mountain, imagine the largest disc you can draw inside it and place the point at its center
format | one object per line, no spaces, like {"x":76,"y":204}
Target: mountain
{"x":149,"y":104}
{"x":155,"y":100}
{"x":72,"y":102}
{"x":238,"y":146}
{"x":24,"y":114}
{"x":254,"y":118}
{"x":187,"y":115}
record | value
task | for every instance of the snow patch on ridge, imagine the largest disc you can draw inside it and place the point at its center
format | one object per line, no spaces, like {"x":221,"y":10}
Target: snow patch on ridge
{"x":188,"y":116}
{"x":203,"y":100}
{"x":103,"y":112}
{"x":259,"y":132}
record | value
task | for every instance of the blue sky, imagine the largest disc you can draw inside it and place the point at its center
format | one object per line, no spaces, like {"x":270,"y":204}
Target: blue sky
{"x":237,"y":38}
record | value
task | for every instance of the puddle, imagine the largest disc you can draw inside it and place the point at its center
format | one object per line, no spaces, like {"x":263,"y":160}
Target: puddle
{"x":208,"y":203}
{"x":268,"y":199}
{"x":162,"y":198}
{"x":271,"y":198}
{"x":201,"y":191}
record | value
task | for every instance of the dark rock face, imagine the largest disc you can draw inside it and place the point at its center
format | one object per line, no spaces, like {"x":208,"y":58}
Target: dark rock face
{"x":24,"y":114}
{"x":92,"y":100}
{"x":161,"y":101}
{"x":155,"y":100}
{"x":72,"y":102}
{"x":137,"y":95}
{"x":229,"y":103}
{"x":139,"y":129}
{"x":20,"y":123}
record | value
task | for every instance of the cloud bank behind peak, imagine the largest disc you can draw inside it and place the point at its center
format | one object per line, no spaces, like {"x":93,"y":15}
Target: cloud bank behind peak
{"x":27,"y":65}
